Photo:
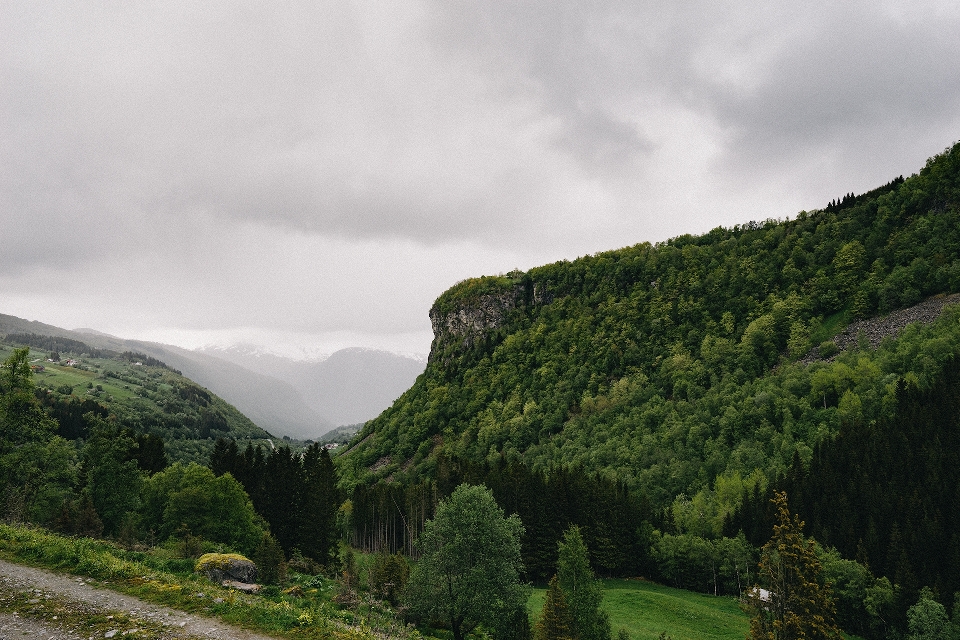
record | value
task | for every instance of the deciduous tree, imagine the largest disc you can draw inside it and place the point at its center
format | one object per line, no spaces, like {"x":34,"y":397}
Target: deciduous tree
{"x":582,"y":590}
{"x":927,"y":619}
{"x":469,"y":573}
{"x":37,"y":468}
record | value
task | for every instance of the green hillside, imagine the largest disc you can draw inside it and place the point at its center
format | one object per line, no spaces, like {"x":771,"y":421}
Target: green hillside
{"x":695,"y":366}
{"x":139,"y":392}
{"x":646,"y":610}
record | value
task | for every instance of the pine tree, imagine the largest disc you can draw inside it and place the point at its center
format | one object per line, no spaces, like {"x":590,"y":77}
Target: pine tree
{"x":270,"y":561}
{"x":316,"y":528}
{"x":582,"y":590}
{"x":224,"y":458}
{"x":554,"y":622}
{"x":794,"y":603}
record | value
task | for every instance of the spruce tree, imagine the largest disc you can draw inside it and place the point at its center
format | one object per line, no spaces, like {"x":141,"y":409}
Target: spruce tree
{"x":316,"y":528}
{"x":794,"y":602}
{"x":582,"y":590}
{"x":270,"y":561}
{"x":554,"y":622}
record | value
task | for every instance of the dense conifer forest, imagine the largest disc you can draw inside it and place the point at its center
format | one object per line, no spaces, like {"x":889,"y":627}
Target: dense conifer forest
{"x":885,"y":494}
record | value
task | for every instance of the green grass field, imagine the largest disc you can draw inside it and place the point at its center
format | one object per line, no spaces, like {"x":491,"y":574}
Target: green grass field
{"x":646,"y":610}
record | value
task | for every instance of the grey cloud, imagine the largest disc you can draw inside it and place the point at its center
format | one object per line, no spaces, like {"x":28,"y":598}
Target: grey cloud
{"x":297,"y":116}
{"x":577,"y":61}
{"x":151,"y":134}
{"x":336,"y":120}
{"x":844,"y":78}
{"x":788,"y":86}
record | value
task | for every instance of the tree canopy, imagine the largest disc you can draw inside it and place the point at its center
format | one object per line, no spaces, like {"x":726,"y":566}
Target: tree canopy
{"x":37,"y":468}
{"x":191,"y":498}
{"x":662,"y":366}
{"x":469,"y":571}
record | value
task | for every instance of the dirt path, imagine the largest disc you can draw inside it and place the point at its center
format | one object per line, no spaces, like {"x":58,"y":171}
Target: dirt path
{"x":13,"y":626}
{"x":136,"y":619}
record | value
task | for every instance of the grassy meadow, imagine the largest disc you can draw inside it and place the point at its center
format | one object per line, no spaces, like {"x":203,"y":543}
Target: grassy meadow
{"x":646,"y":610}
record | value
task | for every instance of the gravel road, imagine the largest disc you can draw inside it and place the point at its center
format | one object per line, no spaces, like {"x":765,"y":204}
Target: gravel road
{"x":42,"y":584}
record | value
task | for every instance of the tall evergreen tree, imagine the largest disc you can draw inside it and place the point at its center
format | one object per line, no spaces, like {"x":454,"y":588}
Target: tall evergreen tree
{"x":113,"y":478}
{"x":295,"y":492}
{"x":794,"y":602}
{"x":554,"y":622}
{"x":316,"y":530}
{"x":283,"y":493}
{"x":582,"y":590}
{"x":225,"y":458}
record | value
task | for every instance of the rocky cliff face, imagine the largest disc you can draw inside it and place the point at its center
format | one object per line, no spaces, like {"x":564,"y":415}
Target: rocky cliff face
{"x":471,"y":319}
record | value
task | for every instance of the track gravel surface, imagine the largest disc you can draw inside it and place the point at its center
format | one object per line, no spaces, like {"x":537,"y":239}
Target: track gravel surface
{"x":80,"y":595}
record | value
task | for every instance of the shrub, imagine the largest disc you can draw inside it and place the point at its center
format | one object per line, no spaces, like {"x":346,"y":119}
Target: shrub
{"x":268,"y":556}
{"x":388,"y":576}
{"x":828,"y":348}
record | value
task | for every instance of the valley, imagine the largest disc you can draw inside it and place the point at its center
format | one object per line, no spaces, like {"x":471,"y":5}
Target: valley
{"x":691,"y":412}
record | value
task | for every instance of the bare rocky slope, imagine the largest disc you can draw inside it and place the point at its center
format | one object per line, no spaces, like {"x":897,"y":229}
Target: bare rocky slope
{"x":874,"y":330}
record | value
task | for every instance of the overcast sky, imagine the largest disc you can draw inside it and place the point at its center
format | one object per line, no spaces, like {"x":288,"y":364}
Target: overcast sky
{"x":312,"y":175}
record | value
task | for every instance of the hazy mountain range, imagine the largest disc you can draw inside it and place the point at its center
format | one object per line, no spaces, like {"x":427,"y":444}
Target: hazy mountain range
{"x":350,"y":386}
{"x":283,"y":396}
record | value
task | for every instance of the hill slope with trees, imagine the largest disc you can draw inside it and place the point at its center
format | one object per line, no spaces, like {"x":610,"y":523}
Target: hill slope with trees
{"x":270,"y":403}
{"x":670,"y":367}
{"x":656,"y":395}
{"x":134,"y":391}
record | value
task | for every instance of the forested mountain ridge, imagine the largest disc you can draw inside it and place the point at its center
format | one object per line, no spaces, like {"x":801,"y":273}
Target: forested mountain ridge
{"x":671,"y":367}
{"x":270,"y":403}
{"x":135,"y":391}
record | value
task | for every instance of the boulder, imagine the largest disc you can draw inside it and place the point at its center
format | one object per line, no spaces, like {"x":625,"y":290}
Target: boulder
{"x":246,"y":587}
{"x":227,"y":566}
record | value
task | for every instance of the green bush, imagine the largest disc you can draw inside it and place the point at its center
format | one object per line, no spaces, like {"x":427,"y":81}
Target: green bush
{"x":388,"y":576}
{"x":828,"y":348}
{"x":192,"y":499}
